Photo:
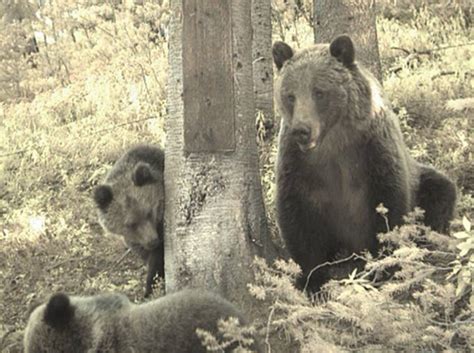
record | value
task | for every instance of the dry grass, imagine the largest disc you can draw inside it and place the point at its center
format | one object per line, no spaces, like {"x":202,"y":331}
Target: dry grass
{"x":67,"y":121}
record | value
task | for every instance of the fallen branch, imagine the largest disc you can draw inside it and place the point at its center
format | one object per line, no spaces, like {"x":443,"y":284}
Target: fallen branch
{"x":443,"y":73}
{"x":124,"y":255}
{"x":330,"y":263}
{"x":123,"y":124}
{"x":13,"y":153}
{"x":267,"y":334}
{"x":430,"y":51}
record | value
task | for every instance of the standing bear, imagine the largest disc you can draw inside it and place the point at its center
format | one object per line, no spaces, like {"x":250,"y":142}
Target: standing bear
{"x":110,"y":323}
{"x":341,"y":154}
{"x":130,"y":203}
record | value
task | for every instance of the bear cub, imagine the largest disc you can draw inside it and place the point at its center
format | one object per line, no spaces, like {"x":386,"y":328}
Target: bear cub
{"x":341,"y":153}
{"x":130,"y":203}
{"x":110,"y":323}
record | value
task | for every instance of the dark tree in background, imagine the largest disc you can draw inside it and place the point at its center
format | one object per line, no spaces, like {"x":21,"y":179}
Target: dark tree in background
{"x":355,"y":18}
{"x":215,"y":218}
{"x":262,"y":57}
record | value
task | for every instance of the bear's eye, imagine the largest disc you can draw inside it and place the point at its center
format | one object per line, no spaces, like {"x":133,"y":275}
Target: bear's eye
{"x":318,"y":93}
{"x":291,"y":99}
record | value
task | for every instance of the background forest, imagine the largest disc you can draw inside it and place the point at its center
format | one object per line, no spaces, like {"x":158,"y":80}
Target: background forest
{"x":94,"y":83}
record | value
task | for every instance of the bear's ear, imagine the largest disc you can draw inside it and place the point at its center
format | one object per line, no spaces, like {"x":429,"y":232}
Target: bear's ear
{"x":142,"y":174}
{"x":281,"y":53}
{"x":59,"y":311}
{"x":103,"y":196}
{"x":343,"y":50}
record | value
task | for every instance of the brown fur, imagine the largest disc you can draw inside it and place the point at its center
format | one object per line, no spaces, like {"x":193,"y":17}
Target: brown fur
{"x":341,"y":153}
{"x":130,"y":203}
{"x":110,"y":323}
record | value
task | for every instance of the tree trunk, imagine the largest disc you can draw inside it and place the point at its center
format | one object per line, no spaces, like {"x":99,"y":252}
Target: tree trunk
{"x":262,"y":57}
{"x":355,"y":18}
{"x":215,"y":218}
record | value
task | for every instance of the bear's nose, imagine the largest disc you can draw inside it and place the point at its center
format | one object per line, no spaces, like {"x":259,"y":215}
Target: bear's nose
{"x":302,"y":133}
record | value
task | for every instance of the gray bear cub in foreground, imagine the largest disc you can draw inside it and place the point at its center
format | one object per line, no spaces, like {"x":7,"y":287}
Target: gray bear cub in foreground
{"x":110,"y":323}
{"x":130,"y":203}
{"x":341,"y":153}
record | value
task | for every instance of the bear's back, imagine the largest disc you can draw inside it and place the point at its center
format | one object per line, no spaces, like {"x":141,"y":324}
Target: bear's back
{"x":173,"y":319}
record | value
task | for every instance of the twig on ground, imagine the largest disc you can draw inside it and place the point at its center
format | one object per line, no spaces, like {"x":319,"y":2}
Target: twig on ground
{"x":124,"y":255}
{"x":267,"y":334}
{"x":443,"y":73}
{"x":451,"y":324}
{"x":123,"y":124}
{"x":430,"y":51}
{"x":406,"y":51}
{"x":13,"y":153}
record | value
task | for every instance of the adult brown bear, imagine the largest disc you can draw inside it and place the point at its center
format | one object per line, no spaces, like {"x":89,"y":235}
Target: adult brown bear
{"x":341,"y":153}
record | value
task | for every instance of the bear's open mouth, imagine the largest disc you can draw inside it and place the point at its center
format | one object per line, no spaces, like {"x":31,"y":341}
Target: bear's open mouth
{"x":306,"y":147}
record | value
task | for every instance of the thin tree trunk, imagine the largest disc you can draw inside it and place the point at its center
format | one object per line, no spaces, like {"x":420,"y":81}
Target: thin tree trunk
{"x":355,"y":18}
{"x":215,"y":219}
{"x":262,"y":57}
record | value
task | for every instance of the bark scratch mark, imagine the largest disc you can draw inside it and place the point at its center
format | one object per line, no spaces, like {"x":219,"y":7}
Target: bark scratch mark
{"x":206,"y":183}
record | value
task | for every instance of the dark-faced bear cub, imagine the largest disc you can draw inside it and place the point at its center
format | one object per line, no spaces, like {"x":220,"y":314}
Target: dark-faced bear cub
{"x":110,"y":323}
{"x":130,"y":203}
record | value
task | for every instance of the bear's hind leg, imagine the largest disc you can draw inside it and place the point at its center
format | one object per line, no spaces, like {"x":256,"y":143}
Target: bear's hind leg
{"x":437,"y":196}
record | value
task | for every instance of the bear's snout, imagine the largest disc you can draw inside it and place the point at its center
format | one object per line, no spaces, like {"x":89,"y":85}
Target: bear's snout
{"x":302,"y":134}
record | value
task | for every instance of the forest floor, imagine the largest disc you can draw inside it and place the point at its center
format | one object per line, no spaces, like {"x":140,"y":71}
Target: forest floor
{"x":86,"y":102}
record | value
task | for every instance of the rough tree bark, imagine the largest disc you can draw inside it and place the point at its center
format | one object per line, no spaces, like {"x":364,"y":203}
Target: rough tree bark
{"x":355,"y":18}
{"x":215,"y":219}
{"x":262,"y":57}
